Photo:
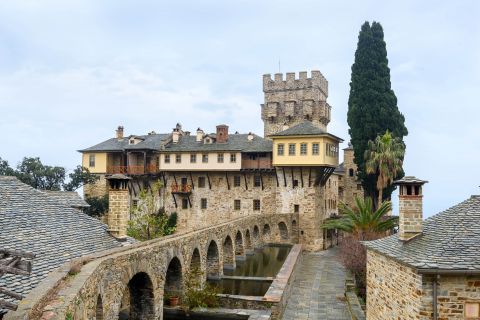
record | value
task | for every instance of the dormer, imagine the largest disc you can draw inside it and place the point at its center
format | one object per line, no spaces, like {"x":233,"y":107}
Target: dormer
{"x":208,"y":139}
{"x":133,"y":140}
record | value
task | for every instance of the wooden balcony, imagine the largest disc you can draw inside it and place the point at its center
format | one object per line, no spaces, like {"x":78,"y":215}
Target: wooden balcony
{"x":181,"y":188}
{"x":133,"y":170}
{"x":259,"y":163}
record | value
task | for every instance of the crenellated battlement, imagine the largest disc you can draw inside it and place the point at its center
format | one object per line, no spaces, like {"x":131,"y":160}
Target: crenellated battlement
{"x":317,"y":80}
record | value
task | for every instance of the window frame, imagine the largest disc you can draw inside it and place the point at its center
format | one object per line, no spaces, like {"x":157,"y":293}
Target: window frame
{"x":237,"y":204}
{"x":303,"y":147}
{"x":257,"y":206}
{"x":178,"y":158}
{"x":315,"y":149}
{"x":292,"y":147}
{"x":257,"y":180}
{"x":166,"y":159}
{"x":235,"y":179}
{"x":233,"y":158}
{"x":193,"y":158}
{"x":205,"y":158}
{"x":203,"y":203}
{"x":220,"y":158}
{"x":280,"y":149}
{"x":201,"y":182}
{"x":91,"y":160}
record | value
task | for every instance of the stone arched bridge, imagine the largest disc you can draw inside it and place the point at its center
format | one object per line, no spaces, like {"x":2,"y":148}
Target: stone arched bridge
{"x":133,"y":280}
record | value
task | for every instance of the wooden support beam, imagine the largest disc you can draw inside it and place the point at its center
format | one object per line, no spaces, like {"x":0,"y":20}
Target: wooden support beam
{"x":291,"y":170}
{"x":228,"y":182}
{"x":164,"y":179}
{"x":245,"y":178}
{"x":174,"y":200}
{"x":189,"y":202}
{"x":191,"y":180}
{"x":301,"y":176}
{"x":175,"y":179}
{"x":284,"y":176}
{"x":276,"y":178}
{"x":261,"y":179}
{"x":144,"y":162}
{"x":11,"y":293}
{"x":309,"y":177}
{"x":209,"y":183}
{"x":8,"y":305}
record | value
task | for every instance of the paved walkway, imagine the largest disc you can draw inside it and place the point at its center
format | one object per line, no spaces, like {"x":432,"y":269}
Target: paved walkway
{"x":316,"y":291}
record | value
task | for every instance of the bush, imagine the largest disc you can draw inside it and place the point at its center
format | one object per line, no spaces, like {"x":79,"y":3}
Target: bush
{"x":98,"y":206}
{"x":197,"y":296}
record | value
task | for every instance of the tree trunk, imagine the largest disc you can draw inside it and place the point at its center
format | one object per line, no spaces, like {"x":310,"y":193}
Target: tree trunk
{"x":380,"y":196}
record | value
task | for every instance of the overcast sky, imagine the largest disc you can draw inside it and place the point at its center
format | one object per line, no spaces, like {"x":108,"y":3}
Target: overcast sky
{"x":72,"y":71}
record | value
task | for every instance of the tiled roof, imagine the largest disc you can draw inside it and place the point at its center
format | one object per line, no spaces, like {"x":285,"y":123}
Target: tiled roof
{"x":34,"y":221}
{"x":236,"y":142}
{"x":69,"y":198}
{"x":340,"y":168}
{"x":450,"y":241}
{"x":149,"y":142}
{"x":305,"y":128}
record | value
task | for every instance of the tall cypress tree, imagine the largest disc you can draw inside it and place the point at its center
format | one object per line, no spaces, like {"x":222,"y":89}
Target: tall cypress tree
{"x":372,"y":104}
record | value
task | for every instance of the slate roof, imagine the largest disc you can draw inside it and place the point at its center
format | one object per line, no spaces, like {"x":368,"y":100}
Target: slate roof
{"x":305,"y":128}
{"x":450,"y":241}
{"x":34,"y":221}
{"x":149,"y":142}
{"x":340,"y":169}
{"x":69,"y":198}
{"x":236,"y":142}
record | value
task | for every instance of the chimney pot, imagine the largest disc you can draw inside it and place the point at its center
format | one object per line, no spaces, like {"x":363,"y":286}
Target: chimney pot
{"x":119,"y":132}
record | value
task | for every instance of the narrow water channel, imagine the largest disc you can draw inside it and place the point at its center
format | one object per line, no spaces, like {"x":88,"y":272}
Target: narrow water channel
{"x":264,"y":263}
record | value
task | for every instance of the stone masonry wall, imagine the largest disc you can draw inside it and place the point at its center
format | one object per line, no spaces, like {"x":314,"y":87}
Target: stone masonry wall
{"x":97,"y":189}
{"x":351,"y":185}
{"x":394,"y":291}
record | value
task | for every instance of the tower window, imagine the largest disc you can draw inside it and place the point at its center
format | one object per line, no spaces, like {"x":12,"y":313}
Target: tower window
{"x":256,"y":204}
{"x":236,"y":204}
{"x":315,"y":149}
{"x":203,"y":203}
{"x":257,"y":181}
{"x":280,"y":149}
{"x":291,"y":149}
{"x":236,"y":181}
{"x":350,"y":172}
{"x":91,"y":160}
{"x":296,"y":208}
{"x":303,"y":149}
{"x":295,"y":183}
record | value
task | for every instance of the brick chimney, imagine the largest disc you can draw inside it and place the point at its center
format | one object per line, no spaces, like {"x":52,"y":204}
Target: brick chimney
{"x":119,"y":132}
{"x":222,"y":133}
{"x":410,"y":207}
{"x":119,"y":205}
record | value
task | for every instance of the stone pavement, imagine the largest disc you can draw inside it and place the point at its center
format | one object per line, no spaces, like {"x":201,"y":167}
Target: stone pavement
{"x":318,"y":289}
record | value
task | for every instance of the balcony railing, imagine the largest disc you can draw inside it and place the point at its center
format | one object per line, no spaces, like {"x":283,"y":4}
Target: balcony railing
{"x":133,"y":170}
{"x":181,"y":188}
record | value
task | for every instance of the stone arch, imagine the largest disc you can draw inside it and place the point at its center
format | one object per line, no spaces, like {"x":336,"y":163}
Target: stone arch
{"x":248,"y":241}
{"x":99,"y":308}
{"x":282,"y":228}
{"x":256,"y":235}
{"x":266,"y":232}
{"x":174,"y":278}
{"x":228,"y":256}
{"x":213,"y":260}
{"x":195,"y":273}
{"x":138,"y":298}
{"x":239,"y":248}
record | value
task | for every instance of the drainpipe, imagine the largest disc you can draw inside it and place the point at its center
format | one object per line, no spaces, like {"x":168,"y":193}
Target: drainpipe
{"x":434,"y":283}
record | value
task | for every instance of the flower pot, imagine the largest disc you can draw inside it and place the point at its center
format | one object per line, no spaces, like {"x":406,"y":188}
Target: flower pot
{"x":173,"y":301}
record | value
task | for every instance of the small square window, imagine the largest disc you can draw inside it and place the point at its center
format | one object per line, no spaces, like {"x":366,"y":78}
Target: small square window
{"x":184,"y":203}
{"x":193,"y":158}
{"x":178,"y":158}
{"x":91,"y":160}
{"x":256,"y":204}
{"x":257,"y":181}
{"x":303,"y":149}
{"x":280,"y":149}
{"x":203,"y":203}
{"x":167,"y":158}
{"x":315,"y":149}
{"x":220,"y":158}
{"x":205,"y":158}
{"x":291,"y":149}
{"x":236,"y":204}
{"x":295,"y":183}
{"x":233,"y":157}
{"x":296,"y":208}
{"x":236,"y":181}
{"x":201,"y":182}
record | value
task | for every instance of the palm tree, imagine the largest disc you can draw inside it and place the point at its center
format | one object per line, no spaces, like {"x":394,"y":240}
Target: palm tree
{"x":384,"y":157}
{"x":362,"y":221}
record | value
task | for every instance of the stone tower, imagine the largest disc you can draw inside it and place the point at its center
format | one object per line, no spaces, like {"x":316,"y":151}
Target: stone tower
{"x":119,"y":205}
{"x":410,"y":196}
{"x":292,"y":101}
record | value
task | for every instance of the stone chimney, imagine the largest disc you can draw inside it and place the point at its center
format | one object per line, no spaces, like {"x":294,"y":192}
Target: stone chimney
{"x":119,"y":205}
{"x":119,"y":132}
{"x":175,"y":135}
{"x":410,"y":207}
{"x":222,"y":133}
{"x":199,"y":135}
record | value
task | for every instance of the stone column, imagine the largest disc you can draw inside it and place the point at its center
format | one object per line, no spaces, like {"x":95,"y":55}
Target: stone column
{"x":119,"y":205}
